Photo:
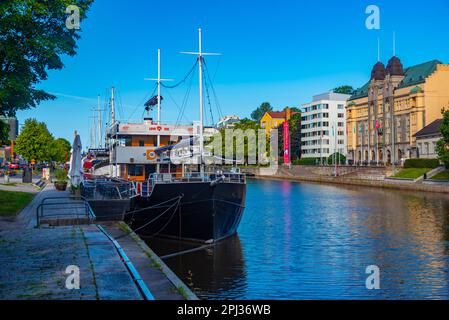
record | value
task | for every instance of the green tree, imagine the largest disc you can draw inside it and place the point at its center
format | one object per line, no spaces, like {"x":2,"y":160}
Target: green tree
{"x":443,"y":143}
{"x":294,"y":125}
{"x":337,"y":156}
{"x":250,"y":144}
{"x":60,"y":150}
{"x":247,"y":124}
{"x":35,"y":142}
{"x":295,"y":109}
{"x":33,"y":37}
{"x":257,"y":114}
{"x":344,"y":90}
{"x":4,"y":133}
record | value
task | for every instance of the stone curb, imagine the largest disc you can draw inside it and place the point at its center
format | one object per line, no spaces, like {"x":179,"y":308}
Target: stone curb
{"x":172,"y":277}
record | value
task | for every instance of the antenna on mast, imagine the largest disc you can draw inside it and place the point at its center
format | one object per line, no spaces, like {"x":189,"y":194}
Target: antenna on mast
{"x":200,"y":55}
{"x":158,"y":81}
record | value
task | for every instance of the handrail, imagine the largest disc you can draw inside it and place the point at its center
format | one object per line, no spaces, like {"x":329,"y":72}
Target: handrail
{"x":84,"y":204}
{"x":108,"y":188}
{"x":197,"y":177}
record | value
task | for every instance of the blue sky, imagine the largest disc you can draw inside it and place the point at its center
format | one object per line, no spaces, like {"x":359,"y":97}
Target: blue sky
{"x":279,"y":51}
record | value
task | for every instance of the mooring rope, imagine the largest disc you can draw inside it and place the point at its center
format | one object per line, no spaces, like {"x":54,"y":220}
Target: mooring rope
{"x":159,"y":205}
{"x":156,"y":218}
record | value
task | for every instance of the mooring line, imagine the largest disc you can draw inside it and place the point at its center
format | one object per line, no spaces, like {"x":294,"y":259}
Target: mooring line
{"x":187,"y":251}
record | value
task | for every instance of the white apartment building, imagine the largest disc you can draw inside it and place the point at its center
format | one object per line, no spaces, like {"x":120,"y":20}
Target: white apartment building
{"x":323,"y":125}
{"x":227,"y":122}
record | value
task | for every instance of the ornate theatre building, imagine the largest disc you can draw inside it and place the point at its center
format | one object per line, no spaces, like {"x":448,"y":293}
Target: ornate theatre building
{"x":383,"y":115}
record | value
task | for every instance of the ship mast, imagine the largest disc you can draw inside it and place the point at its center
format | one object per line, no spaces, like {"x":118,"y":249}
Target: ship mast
{"x":200,"y":55}
{"x":112,"y":106}
{"x":200,"y":76}
{"x":100,"y":126}
{"x":112,"y":144}
{"x":158,"y":82}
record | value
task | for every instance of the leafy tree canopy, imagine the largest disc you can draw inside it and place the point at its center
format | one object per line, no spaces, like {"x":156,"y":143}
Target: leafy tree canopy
{"x":33,"y":37}
{"x":295,"y":109}
{"x":247,"y":124}
{"x":4,"y":132}
{"x":257,"y":114}
{"x":443,"y":143}
{"x":337,"y":156}
{"x":61,"y":150}
{"x":344,"y":89}
{"x":35,"y":142}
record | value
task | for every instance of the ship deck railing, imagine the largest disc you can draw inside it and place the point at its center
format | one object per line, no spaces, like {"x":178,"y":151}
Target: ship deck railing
{"x":228,"y":177}
{"x":104,"y":188}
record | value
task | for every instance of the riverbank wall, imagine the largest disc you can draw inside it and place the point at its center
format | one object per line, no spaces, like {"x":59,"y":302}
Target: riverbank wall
{"x":369,"y":177}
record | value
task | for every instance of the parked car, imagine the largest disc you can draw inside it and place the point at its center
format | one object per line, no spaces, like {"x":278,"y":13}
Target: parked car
{"x":13,"y":166}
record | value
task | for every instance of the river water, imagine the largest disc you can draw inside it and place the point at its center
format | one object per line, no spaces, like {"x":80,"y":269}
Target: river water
{"x":312,"y":241}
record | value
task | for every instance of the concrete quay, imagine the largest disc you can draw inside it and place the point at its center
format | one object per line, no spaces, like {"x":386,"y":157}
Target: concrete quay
{"x":34,"y":261}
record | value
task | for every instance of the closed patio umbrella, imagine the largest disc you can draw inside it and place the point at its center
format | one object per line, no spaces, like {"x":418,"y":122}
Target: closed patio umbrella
{"x":76,"y":166}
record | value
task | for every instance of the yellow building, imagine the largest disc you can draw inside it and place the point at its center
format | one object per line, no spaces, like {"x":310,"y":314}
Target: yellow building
{"x":384,"y":115}
{"x":273,"y":119}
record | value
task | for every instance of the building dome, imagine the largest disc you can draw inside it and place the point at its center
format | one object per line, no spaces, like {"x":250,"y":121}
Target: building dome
{"x":394,"y":67}
{"x":378,"y":72}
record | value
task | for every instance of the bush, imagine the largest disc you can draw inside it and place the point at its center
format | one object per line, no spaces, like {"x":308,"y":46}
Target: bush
{"x":421,"y":163}
{"x":61,"y":175}
{"x":307,"y":161}
{"x":339,"y":157}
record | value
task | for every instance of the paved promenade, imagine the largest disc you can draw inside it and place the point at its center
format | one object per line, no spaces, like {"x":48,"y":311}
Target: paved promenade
{"x":33,"y":260}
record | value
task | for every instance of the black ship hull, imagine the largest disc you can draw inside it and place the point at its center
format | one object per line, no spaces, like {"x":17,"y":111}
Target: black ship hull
{"x":192,"y":211}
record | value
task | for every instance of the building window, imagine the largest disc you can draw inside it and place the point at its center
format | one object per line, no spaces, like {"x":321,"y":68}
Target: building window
{"x":135,"y":170}
{"x":141,"y":143}
{"x":340,"y":106}
{"x":341,"y":115}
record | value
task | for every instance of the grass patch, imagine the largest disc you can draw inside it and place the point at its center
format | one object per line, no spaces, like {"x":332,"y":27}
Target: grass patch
{"x":11,"y":202}
{"x":441,"y":176}
{"x":411,"y":173}
{"x":154,"y":262}
{"x":124,"y":227}
{"x":183,"y":292}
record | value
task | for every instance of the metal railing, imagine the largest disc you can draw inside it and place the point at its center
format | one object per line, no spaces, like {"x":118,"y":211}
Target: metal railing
{"x":75,"y":207}
{"x":227,"y":177}
{"x":107,"y":189}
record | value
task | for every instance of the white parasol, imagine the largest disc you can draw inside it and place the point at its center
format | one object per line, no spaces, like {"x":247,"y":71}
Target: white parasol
{"x":76,"y":166}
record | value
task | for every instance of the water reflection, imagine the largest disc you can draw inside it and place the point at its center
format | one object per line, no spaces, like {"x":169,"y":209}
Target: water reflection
{"x":310,"y":241}
{"x":199,"y":269}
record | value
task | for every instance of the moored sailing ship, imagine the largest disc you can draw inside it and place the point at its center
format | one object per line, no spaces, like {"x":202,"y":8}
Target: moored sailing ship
{"x":183,"y":199}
